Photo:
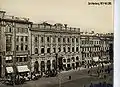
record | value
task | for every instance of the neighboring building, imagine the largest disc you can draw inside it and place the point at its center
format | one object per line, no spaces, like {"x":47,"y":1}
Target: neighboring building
{"x":95,"y":47}
{"x":14,"y":42}
{"x":48,"y":40}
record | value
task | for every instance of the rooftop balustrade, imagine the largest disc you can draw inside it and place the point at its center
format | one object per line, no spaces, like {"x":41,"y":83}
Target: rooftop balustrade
{"x":54,"y":27}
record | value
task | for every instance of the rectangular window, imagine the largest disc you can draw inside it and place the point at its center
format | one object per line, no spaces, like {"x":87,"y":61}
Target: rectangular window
{"x":26,"y":38}
{"x":26,"y":47}
{"x":17,"y":30}
{"x":68,"y":39}
{"x":59,"y":39}
{"x":36,"y":39}
{"x":17,"y":60}
{"x":8,"y":47}
{"x":25,"y":59}
{"x":48,"y":39}
{"x":77,"y":40}
{"x":64,"y":60}
{"x":68,"y":60}
{"x":77,"y":49}
{"x":23,"y":30}
{"x":17,"y":47}
{"x":8,"y":39}
{"x":17,"y":39}
{"x":64,"y":49}
{"x":73,"y":40}
{"x":48,"y":50}
{"x":72,"y":49}
{"x":68,"y":49}
{"x":42,"y":39}
{"x":22,"y":38}
{"x":21,"y":46}
{"x":42,"y":50}
{"x":26,"y":30}
{"x":20,"y":59}
{"x":63,"y":39}
{"x":53,"y":39}
{"x":54,"y":50}
{"x":20,"y":30}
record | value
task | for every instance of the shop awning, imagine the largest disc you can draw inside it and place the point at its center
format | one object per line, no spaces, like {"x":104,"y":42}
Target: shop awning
{"x":9,"y":58}
{"x":95,"y":59}
{"x":9,"y":69}
{"x":23,"y":68}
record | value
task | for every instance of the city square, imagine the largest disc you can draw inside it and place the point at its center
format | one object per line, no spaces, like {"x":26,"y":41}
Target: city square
{"x":53,"y":54}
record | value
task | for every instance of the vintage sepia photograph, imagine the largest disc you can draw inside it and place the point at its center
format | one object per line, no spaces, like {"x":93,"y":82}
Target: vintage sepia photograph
{"x":56,"y":43}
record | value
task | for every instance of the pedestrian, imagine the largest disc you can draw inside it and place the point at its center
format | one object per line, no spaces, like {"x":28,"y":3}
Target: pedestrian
{"x":69,"y":77}
{"x":83,"y":85}
{"x":88,"y":71}
{"x":91,"y":85}
{"x":98,"y":73}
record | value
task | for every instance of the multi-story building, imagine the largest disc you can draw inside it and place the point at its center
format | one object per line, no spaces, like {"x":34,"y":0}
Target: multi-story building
{"x":95,"y":47}
{"x":14,"y":36}
{"x":48,"y":40}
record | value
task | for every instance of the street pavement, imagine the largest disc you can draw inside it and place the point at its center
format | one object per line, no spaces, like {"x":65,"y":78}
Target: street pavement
{"x":79,"y":78}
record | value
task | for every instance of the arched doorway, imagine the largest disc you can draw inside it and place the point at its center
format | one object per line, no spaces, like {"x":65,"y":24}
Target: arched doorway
{"x":54,"y":64}
{"x":42,"y":66}
{"x":48,"y":65}
{"x":36,"y":67}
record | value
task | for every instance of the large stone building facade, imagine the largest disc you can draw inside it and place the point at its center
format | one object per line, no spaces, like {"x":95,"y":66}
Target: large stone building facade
{"x":48,"y":40}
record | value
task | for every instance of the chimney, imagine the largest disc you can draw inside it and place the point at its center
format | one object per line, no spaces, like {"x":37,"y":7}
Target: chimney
{"x":65,"y":25}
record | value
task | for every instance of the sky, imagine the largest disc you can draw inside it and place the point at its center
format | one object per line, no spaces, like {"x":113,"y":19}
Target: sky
{"x":75,"y":13}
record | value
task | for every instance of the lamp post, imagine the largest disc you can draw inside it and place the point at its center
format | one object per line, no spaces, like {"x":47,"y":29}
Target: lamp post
{"x":14,"y":58}
{"x":59,"y":75}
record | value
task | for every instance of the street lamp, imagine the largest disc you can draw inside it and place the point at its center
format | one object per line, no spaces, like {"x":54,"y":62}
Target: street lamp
{"x":56,"y":62}
{"x":59,"y":75}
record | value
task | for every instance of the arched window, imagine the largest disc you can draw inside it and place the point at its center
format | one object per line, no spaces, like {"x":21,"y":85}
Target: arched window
{"x":68,"y":49}
{"x":48,"y":50}
{"x":64,"y":49}
{"x":36,"y":50}
{"x":77,"y":49}
{"x":59,"y":49}
{"x":54,"y":64}
{"x":68,"y":60}
{"x":73,"y":59}
{"x":10,"y":30}
{"x":42,"y":50}
{"x":42,"y":66}
{"x":77,"y":58}
{"x":36,"y":67}
{"x":36,"y":39}
{"x":72,"y":49}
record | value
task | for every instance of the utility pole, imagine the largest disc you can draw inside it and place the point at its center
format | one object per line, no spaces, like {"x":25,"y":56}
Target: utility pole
{"x":14,"y":58}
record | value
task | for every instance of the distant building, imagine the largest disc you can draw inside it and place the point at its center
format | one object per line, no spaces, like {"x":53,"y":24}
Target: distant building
{"x":95,"y":47}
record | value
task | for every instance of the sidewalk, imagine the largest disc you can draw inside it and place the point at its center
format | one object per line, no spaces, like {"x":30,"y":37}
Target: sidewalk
{"x":81,"y":68}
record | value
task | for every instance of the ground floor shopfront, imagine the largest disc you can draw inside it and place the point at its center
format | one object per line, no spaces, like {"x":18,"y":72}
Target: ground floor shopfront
{"x":7,"y":66}
{"x":45,"y":63}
